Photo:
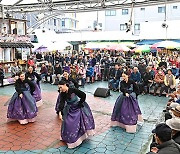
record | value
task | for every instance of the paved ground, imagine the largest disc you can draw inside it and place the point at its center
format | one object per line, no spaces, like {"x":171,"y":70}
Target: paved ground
{"x":43,"y":135}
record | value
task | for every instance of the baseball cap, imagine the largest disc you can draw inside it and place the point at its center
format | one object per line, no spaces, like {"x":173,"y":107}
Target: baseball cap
{"x":162,"y":129}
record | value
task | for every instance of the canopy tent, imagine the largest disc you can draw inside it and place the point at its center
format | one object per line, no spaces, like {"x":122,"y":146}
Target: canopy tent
{"x":142,"y":49}
{"x":95,"y":45}
{"x":166,"y":45}
{"x":50,"y":46}
{"x":58,"y":45}
{"x":118,"y":47}
{"x":41,"y":48}
{"x":147,"y":42}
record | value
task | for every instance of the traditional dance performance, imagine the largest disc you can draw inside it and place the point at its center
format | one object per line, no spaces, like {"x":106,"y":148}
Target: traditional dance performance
{"x":71,"y":83}
{"x":78,"y":121}
{"x":126,"y":112}
{"x":35,"y":78}
{"x":22,"y":105}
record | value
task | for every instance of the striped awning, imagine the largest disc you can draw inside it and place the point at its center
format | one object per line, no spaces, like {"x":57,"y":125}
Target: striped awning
{"x":16,"y":45}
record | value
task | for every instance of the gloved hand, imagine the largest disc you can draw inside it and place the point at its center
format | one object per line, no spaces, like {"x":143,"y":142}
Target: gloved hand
{"x":80,"y":104}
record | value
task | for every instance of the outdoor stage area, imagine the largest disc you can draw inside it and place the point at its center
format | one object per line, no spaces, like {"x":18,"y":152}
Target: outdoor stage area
{"x":43,"y":135}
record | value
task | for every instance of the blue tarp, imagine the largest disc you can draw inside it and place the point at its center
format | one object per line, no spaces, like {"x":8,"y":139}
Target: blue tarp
{"x":148,"y":42}
{"x":151,"y":42}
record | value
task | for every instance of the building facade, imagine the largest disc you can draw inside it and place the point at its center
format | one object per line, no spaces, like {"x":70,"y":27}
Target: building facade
{"x":115,"y":19}
{"x":59,"y":24}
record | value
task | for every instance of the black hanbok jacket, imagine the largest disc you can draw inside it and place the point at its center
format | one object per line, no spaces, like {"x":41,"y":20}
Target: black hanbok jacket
{"x":65,"y":96}
{"x":20,"y":86}
{"x":32,"y":76}
{"x":71,"y":80}
{"x":129,"y":87}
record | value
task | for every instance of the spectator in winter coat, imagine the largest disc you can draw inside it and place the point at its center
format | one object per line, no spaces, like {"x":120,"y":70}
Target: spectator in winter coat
{"x":67,"y":68}
{"x":159,"y":81}
{"x":135,"y":75}
{"x":147,"y":80}
{"x":175,"y":71}
{"x":82,"y":75}
{"x":90,"y":72}
{"x":169,"y":83}
{"x":116,"y":74}
{"x":43,"y":71}
{"x":15,"y":69}
{"x":50,"y":71}
{"x":164,"y":143}
{"x":57,"y":73}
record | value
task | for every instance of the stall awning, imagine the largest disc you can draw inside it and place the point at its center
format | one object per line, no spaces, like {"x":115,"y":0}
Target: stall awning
{"x":16,"y":45}
{"x":148,"y":42}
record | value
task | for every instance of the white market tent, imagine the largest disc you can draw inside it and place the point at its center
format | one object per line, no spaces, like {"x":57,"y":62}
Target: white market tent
{"x":49,"y":39}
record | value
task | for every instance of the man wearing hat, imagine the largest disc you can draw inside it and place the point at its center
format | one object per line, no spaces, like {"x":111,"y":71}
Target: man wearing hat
{"x":174,"y":124}
{"x":163,"y":139}
{"x":176,"y":112}
{"x":172,"y":111}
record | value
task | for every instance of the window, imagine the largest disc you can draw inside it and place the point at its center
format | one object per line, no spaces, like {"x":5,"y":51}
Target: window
{"x":142,"y":9}
{"x":124,"y":11}
{"x":174,"y":7}
{"x":110,"y":13}
{"x":161,"y":9}
{"x":54,"y":22}
{"x":123,"y":27}
{"x":137,"y":27}
{"x":63,"y":23}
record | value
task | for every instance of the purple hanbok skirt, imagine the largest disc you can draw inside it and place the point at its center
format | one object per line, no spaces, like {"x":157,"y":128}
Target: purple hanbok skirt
{"x":37,"y":94}
{"x":126,"y":113}
{"x":58,"y":103}
{"x":77,"y":125}
{"x":22,"y":109}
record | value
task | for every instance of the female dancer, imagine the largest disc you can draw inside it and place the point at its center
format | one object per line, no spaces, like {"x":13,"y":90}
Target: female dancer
{"x":22,"y":106}
{"x":78,"y":121}
{"x":126,"y":111}
{"x":35,"y":78}
{"x":71,"y":82}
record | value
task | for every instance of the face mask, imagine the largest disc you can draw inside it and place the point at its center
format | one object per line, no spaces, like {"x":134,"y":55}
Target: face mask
{"x":160,"y":72}
{"x":174,"y":66}
{"x":124,"y":70}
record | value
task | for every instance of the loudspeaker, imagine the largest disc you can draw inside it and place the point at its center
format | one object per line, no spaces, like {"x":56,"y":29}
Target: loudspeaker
{"x":102,"y":92}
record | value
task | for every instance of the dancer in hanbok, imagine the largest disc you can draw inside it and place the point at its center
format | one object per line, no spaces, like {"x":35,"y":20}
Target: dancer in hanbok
{"x":78,"y":121}
{"x":35,"y":78}
{"x":71,"y":82}
{"x":22,"y":105}
{"x":126,"y":112}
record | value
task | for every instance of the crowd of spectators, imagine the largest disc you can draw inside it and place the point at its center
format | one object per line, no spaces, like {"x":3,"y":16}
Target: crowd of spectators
{"x":153,"y":74}
{"x":157,"y":74}
{"x":166,"y":139}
